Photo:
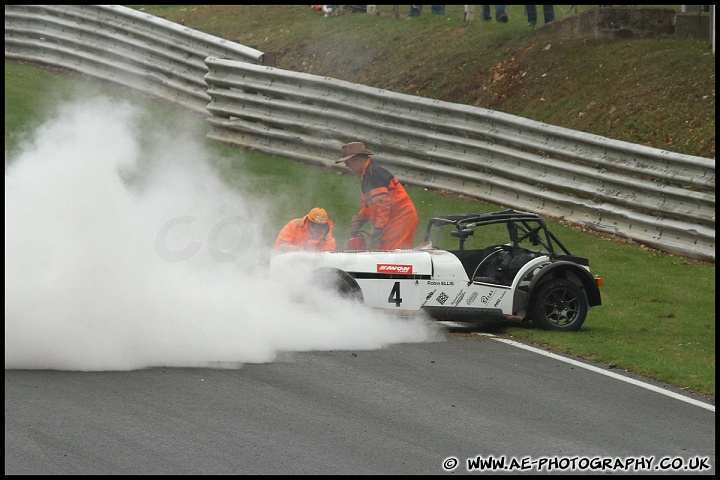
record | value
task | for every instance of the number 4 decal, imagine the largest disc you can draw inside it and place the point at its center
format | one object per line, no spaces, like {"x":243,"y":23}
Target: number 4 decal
{"x":394,"y":296}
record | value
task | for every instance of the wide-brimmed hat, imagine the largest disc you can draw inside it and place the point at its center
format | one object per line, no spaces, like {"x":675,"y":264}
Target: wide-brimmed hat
{"x":351,"y":149}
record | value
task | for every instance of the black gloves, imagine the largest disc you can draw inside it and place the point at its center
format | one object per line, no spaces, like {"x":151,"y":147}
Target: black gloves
{"x":356,"y":224}
{"x":376,"y":238}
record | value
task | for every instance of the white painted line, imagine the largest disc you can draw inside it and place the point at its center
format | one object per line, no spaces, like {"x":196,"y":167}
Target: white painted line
{"x":609,"y":374}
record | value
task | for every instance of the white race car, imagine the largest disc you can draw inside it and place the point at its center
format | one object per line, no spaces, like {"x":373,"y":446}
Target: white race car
{"x":505,"y":265}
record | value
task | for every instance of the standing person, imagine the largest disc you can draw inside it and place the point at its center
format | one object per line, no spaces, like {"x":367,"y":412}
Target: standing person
{"x":384,"y":202}
{"x":500,"y":14}
{"x":548,"y":14}
{"x":312,"y":232}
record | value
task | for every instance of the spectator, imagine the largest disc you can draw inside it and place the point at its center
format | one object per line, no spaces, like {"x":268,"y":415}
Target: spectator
{"x":437,"y":9}
{"x":384,"y":202}
{"x":415,"y":11}
{"x":548,"y":14}
{"x":312,"y":232}
{"x":500,"y":14}
{"x":329,"y":9}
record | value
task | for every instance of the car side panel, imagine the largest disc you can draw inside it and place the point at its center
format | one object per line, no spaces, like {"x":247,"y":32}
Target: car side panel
{"x":396,"y":294}
{"x":446,"y":289}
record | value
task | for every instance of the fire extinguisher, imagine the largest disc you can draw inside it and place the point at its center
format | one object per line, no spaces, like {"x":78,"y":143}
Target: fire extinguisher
{"x":358,"y":241}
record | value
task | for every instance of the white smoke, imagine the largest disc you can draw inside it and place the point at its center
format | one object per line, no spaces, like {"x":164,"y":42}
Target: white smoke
{"x":124,"y":250}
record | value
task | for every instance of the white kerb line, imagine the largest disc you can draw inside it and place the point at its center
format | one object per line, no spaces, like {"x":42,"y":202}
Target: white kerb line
{"x":605,"y":372}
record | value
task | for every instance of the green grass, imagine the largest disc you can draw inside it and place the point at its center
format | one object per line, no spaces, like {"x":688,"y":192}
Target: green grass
{"x":658,"y":312}
{"x":28,"y":115}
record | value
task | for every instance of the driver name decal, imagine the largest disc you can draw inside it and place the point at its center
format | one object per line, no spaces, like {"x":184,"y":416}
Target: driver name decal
{"x":388,"y":268}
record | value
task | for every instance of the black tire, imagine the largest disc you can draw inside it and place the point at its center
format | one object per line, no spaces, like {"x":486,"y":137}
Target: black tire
{"x":559,"y":305}
{"x":339,"y":282}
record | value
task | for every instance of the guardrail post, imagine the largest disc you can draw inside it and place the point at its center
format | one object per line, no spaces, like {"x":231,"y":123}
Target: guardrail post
{"x":469,"y":13}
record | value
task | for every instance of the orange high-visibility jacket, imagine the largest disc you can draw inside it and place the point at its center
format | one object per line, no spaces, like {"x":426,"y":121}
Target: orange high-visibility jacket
{"x":296,"y":236}
{"x":386,"y":205}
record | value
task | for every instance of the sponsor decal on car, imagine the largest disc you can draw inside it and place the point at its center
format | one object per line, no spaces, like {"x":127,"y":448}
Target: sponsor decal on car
{"x":458,"y":298}
{"x":388,"y":268}
{"x":486,"y":298}
{"x":472,"y":298}
{"x":442,"y":298}
{"x":428,"y":297}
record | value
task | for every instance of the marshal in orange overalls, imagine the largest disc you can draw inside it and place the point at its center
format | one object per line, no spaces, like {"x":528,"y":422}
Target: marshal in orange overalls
{"x":384,"y":202}
{"x":312,"y":232}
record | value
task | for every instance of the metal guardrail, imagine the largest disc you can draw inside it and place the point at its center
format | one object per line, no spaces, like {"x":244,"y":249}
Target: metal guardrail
{"x":659,"y":198}
{"x":121,"y":45}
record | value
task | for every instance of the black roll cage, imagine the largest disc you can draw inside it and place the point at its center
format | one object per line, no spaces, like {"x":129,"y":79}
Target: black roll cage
{"x":521,"y":226}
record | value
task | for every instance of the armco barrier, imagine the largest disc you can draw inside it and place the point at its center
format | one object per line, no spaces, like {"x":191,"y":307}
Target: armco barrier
{"x":121,"y":45}
{"x":656,"y":197}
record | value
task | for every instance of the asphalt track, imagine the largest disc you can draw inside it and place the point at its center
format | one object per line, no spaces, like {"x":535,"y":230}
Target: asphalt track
{"x":408,"y":409}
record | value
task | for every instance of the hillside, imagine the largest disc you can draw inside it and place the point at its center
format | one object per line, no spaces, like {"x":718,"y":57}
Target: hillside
{"x":658,"y":92}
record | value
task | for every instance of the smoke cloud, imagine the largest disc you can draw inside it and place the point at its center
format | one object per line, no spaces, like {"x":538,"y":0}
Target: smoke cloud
{"x":124,"y":249}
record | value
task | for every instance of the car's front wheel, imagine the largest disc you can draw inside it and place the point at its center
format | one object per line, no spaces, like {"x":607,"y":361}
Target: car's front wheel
{"x":339,"y":282}
{"x":559,"y":305}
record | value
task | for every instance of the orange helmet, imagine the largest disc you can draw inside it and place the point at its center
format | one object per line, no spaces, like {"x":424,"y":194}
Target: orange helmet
{"x":318,"y":215}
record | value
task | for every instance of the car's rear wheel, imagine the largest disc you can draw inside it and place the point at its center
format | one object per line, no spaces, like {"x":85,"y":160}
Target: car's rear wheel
{"x":559,"y":305}
{"x":339,"y":282}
